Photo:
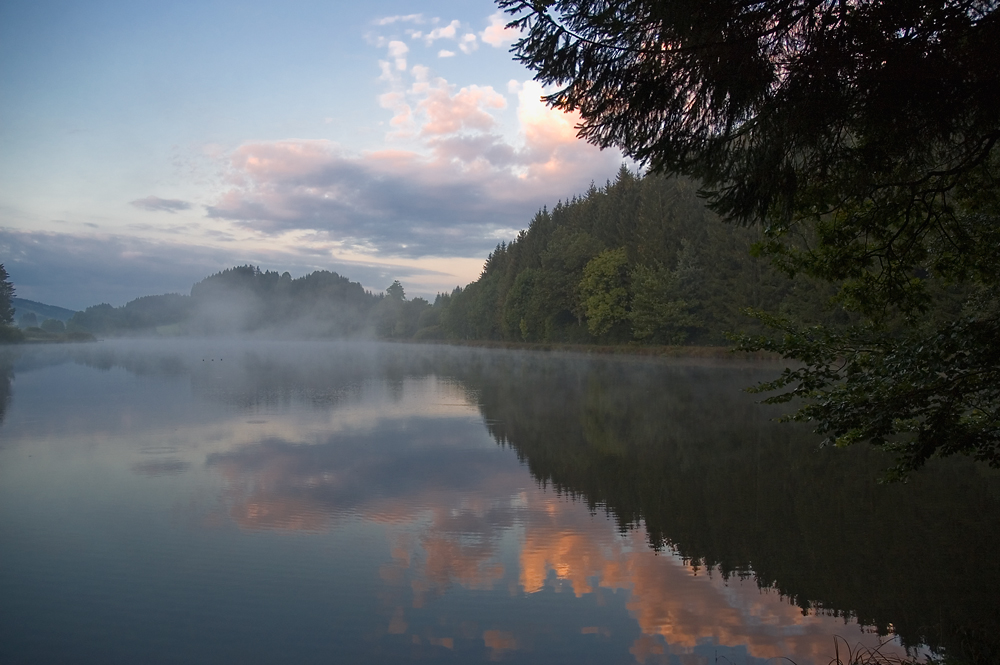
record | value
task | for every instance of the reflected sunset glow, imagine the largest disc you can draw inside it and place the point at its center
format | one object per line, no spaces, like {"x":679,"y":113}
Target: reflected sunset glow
{"x":442,"y":540}
{"x":394,"y":505}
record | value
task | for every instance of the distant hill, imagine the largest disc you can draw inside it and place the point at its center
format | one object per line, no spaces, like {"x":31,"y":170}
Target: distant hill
{"x":40,"y":310}
{"x":639,"y":261}
{"x":245,"y":299}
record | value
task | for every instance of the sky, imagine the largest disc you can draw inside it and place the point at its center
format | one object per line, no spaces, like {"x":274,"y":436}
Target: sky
{"x":147,"y":145}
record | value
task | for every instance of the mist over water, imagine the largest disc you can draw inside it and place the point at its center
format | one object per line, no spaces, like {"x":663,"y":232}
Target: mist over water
{"x":245,"y":301}
{"x":212,"y":500}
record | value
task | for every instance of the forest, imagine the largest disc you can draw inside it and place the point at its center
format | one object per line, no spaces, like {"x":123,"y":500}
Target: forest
{"x":862,"y":139}
{"x":639,"y":261}
{"x":245,"y":299}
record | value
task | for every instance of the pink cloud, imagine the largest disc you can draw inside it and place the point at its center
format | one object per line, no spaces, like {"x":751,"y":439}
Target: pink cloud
{"x":449,"y":194}
{"x":276,"y":160}
{"x":402,"y":114}
{"x":449,"y":113}
{"x":497,"y":34}
{"x":544,"y":129}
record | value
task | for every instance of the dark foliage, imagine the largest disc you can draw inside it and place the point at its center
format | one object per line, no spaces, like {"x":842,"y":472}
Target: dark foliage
{"x":53,"y":326}
{"x":639,"y":261}
{"x":141,"y":314}
{"x":874,"y":117}
{"x":709,"y":475}
{"x":6,"y":296}
{"x":936,"y":394}
{"x":861,"y":136}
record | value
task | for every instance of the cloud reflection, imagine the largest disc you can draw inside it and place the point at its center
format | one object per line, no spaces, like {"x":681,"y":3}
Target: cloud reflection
{"x":448,"y":522}
{"x":306,"y":440}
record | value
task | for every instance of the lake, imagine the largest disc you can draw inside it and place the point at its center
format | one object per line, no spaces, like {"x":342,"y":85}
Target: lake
{"x":320,"y":502}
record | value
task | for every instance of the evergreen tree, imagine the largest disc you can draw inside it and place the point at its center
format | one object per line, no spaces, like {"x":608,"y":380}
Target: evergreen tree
{"x":862,"y":138}
{"x":6,"y":298}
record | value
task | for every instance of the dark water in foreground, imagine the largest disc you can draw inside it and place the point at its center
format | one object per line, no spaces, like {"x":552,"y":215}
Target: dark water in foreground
{"x":220,"y":502}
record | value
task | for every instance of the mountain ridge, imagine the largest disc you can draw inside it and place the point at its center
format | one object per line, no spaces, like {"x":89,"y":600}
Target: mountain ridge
{"x":41,"y":310}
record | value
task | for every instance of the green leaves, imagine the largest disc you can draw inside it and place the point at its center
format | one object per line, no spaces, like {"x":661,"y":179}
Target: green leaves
{"x":928,"y":392}
{"x":395,"y":291}
{"x":605,"y":290}
{"x":659,"y":313}
{"x":862,"y":137}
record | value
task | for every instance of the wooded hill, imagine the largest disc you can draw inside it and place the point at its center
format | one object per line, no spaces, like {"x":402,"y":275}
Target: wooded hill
{"x":640,"y":260}
{"x":245,"y":299}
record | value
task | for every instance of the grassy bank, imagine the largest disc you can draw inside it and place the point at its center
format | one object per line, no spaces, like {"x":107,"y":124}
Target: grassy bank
{"x":11,"y":335}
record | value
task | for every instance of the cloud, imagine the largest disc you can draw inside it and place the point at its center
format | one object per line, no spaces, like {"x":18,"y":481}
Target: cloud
{"x":449,"y":31}
{"x":390,"y":201}
{"x":468,"y":43}
{"x":408,"y":203}
{"x":398,"y":51}
{"x":402,"y":115}
{"x":458,"y":186}
{"x":447,"y":518}
{"x":469,"y":149}
{"x":156,"y":204}
{"x":467,"y":109}
{"x":497,"y":34}
{"x":77,"y":270}
{"x":464,"y":167}
{"x":549,"y":135}
{"x":407,"y":18}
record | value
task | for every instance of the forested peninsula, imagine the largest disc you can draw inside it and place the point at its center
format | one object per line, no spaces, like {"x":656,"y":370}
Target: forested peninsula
{"x":640,"y":261}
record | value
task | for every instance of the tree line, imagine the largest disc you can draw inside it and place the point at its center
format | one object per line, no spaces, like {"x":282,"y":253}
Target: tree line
{"x":863,"y":139}
{"x":639,"y":261}
{"x":246,"y":299}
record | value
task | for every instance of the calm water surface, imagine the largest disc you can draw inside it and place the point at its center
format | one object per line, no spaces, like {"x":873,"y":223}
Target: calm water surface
{"x":210,"y":502}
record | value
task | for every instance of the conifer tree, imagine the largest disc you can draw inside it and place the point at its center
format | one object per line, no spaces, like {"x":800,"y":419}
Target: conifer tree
{"x":6,"y":297}
{"x":861,"y":138}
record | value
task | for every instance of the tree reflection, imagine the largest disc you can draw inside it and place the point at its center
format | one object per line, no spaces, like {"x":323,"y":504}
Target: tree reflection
{"x":6,"y":379}
{"x":683,"y":451}
{"x":675,"y":447}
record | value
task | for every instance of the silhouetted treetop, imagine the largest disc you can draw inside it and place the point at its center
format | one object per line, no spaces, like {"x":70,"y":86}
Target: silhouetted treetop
{"x":6,"y":296}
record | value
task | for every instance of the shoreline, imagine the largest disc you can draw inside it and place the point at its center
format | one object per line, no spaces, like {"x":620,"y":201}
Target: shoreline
{"x":621,"y":350}
{"x":707,"y":352}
